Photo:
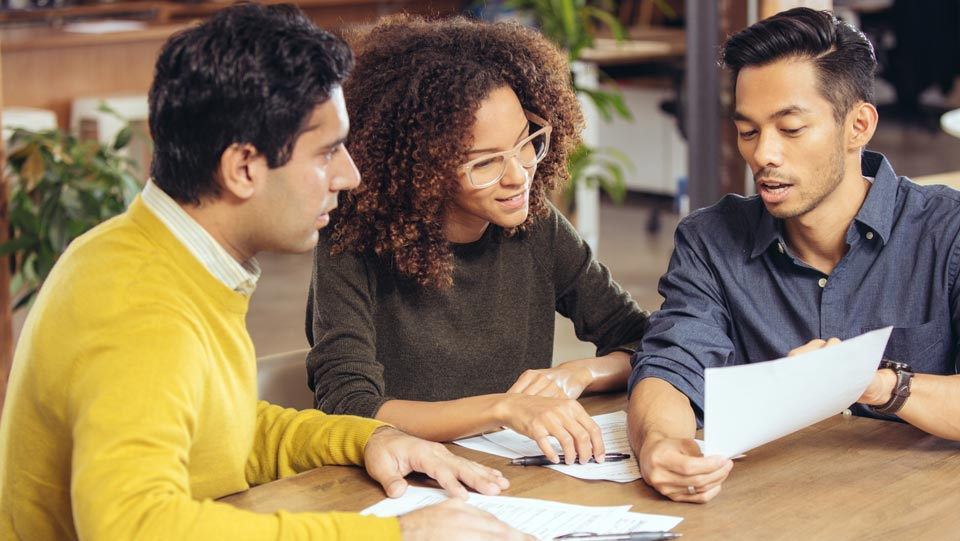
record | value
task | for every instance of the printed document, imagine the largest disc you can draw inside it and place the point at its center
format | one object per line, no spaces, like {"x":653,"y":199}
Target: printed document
{"x":541,"y":518}
{"x":748,"y":405}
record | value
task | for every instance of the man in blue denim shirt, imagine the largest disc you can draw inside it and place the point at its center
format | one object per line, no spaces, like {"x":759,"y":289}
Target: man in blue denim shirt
{"x":833,"y":245}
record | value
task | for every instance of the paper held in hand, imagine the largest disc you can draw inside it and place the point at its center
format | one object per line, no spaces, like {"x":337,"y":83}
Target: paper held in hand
{"x":748,"y":405}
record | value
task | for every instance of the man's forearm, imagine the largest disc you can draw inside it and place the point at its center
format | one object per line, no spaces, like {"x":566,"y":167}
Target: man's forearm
{"x":934,"y":405}
{"x":658,"y":410}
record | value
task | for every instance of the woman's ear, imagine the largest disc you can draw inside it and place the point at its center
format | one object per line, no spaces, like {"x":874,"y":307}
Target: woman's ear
{"x":241,"y":169}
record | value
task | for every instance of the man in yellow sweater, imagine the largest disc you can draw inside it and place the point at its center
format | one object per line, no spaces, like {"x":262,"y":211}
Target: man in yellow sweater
{"x":132,"y":401}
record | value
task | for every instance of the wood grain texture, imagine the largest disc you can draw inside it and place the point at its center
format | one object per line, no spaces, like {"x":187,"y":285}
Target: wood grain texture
{"x":843,"y":478}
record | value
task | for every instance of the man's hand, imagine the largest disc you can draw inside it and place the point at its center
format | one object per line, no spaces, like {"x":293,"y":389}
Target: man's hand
{"x":539,"y":417}
{"x":880,"y":388}
{"x":672,"y":465}
{"x":562,"y":381}
{"x":813,"y":345}
{"x":390,"y":455}
{"x":454,"y":519}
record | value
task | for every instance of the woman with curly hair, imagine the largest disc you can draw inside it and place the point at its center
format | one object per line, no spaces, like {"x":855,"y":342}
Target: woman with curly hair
{"x":432,"y":302}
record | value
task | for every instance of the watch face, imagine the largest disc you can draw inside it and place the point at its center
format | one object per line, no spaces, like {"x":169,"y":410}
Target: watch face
{"x":895,"y":365}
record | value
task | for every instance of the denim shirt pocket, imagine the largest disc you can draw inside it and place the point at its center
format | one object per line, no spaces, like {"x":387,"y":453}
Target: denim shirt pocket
{"x":920,"y":346}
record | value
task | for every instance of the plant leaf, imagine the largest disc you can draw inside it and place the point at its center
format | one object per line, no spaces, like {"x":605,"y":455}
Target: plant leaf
{"x":123,"y":137}
{"x":33,"y":169}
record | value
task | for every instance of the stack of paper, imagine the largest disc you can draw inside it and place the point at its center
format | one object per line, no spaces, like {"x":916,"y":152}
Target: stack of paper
{"x":508,"y":443}
{"x":540,"y":518}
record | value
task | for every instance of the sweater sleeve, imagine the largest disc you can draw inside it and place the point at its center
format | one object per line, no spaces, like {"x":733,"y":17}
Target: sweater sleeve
{"x":602,"y":312}
{"x":133,"y":425}
{"x":288,"y":441}
{"x":342,"y":366}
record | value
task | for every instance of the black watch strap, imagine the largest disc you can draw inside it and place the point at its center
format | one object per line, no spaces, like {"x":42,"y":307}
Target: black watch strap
{"x":901,"y":391}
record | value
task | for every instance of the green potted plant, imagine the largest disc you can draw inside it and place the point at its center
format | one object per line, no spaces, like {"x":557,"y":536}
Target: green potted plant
{"x":60,"y":186}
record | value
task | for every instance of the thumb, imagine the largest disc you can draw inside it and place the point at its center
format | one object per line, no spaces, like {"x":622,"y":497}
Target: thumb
{"x":395,"y":487}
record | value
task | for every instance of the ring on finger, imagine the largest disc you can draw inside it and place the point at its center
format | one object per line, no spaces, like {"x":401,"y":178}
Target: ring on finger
{"x":691,"y":490}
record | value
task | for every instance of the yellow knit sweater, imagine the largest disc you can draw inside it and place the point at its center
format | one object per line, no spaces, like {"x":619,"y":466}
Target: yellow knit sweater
{"x":133,"y":403}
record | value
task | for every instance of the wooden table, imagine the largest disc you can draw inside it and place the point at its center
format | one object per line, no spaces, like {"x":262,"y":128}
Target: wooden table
{"x":843,"y":478}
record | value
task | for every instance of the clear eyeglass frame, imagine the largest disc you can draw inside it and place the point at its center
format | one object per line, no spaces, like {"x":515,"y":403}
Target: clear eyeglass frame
{"x":544,"y":130}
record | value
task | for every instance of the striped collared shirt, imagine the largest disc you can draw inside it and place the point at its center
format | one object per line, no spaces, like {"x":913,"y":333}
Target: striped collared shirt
{"x":240,"y":277}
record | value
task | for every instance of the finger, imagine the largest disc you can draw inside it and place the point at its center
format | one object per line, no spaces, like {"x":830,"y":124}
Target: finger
{"x":689,"y":466}
{"x":597,"y":444}
{"x":832,"y":342}
{"x":812,"y":345}
{"x":527,"y":378}
{"x":481,"y":478}
{"x":446,"y":476}
{"x":708,"y":479}
{"x":566,"y":434}
{"x":545,"y":445}
{"x":587,"y":436}
{"x":518,"y":386}
{"x":394,"y":487}
{"x":684,"y":495}
{"x":544,"y":387}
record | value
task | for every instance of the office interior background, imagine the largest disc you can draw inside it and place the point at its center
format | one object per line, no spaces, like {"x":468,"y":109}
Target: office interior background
{"x":61,"y":58}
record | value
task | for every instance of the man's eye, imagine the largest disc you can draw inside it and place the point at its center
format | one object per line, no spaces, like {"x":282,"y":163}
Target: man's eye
{"x":332,"y":152}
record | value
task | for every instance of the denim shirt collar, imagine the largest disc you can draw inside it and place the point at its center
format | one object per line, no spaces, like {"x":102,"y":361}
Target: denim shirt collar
{"x":876,"y":213}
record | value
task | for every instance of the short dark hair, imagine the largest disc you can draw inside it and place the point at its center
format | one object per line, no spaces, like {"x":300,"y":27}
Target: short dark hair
{"x":842,"y":56}
{"x":250,"y":74}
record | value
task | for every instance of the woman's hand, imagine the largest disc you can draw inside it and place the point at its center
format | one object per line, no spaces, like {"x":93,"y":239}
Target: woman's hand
{"x":572,"y":378}
{"x":567,"y":380}
{"x":539,"y":417}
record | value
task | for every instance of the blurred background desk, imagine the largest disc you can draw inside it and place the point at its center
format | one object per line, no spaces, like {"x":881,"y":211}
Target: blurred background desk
{"x":47,"y":65}
{"x":843,"y":478}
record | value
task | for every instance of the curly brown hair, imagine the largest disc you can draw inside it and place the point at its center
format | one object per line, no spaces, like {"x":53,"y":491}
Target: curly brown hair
{"x":412,"y":99}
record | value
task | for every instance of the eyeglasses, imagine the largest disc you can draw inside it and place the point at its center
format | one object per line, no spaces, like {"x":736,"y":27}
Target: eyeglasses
{"x":488,"y":169}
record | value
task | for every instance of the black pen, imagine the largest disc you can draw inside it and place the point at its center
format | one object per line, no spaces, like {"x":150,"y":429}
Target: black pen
{"x":629,"y":536}
{"x":542,"y":460}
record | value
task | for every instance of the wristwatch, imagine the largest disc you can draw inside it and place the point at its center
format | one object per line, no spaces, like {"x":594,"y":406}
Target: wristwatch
{"x":901,"y":391}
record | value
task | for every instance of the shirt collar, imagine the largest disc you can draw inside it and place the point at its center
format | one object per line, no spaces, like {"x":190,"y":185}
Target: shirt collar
{"x":876,"y":212}
{"x":240,"y":277}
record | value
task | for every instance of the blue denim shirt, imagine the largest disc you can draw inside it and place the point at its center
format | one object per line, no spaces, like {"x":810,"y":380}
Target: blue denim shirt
{"x":734,"y":293}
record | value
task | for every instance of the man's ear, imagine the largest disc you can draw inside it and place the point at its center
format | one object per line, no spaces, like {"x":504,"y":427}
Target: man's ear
{"x":241,"y":169}
{"x":862,"y":123}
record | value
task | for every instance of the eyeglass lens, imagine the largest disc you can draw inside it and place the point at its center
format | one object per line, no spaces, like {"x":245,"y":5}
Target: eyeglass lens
{"x":490,"y":170}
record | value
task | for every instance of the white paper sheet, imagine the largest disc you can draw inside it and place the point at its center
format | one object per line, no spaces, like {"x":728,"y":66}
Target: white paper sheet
{"x":748,"y":405}
{"x":540,"y":518}
{"x":508,"y":443}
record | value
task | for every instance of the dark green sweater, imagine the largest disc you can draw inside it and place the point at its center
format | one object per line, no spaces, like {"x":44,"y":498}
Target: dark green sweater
{"x":375,"y":337}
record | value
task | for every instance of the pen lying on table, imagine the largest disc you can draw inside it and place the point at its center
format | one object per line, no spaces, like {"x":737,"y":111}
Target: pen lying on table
{"x":628,"y":536}
{"x":542,"y":460}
